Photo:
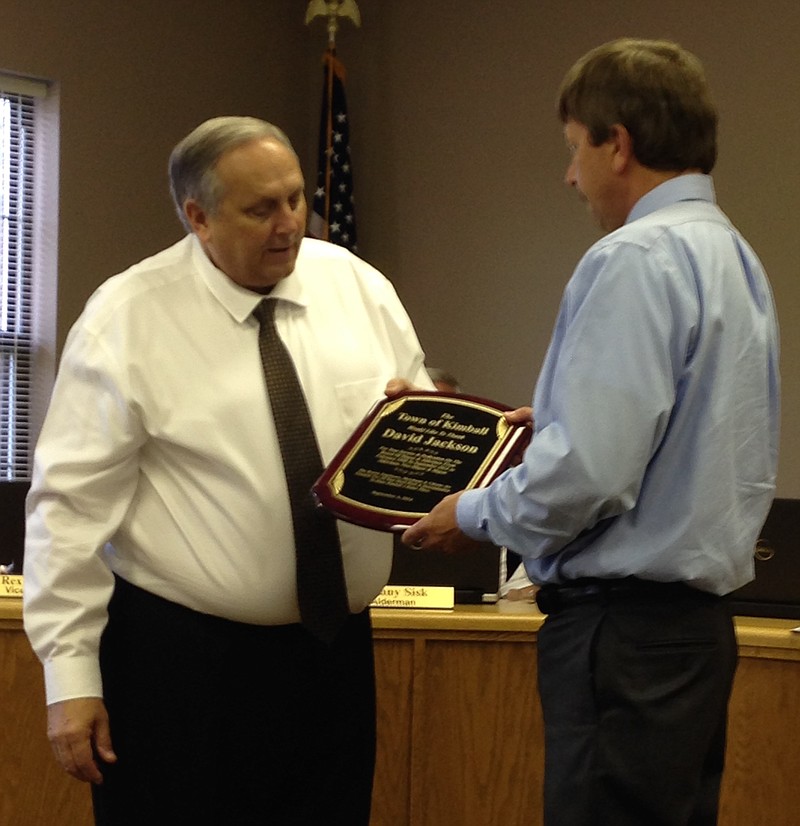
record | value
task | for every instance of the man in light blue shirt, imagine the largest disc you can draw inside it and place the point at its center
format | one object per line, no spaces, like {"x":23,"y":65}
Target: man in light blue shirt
{"x":653,"y":461}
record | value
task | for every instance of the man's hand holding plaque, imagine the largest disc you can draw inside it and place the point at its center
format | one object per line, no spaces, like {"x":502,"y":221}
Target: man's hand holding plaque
{"x":413,"y":450}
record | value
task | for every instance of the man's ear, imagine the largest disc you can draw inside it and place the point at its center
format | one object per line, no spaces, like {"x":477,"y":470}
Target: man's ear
{"x":622,"y":145}
{"x":197,"y":218}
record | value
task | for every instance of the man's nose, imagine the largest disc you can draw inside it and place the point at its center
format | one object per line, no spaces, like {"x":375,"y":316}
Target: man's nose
{"x":286,"y":219}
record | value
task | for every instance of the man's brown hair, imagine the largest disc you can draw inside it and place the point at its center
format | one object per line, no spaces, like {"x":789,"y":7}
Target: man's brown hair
{"x":656,"y":90}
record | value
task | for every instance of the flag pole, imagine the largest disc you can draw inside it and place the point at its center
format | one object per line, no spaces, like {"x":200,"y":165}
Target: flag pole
{"x":328,"y":58}
{"x":333,"y":211}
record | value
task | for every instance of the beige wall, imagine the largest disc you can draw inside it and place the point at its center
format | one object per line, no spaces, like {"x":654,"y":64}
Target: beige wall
{"x":134,"y":78}
{"x":458,"y":157}
{"x":459,"y":163}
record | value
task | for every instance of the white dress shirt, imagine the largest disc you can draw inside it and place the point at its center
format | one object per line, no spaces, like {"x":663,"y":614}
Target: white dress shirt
{"x":159,"y":461}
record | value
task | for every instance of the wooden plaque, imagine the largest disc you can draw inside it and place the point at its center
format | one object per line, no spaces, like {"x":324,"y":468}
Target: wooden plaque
{"x":411,"y":451}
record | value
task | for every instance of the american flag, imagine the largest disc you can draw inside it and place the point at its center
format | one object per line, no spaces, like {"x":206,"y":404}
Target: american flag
{"x":333,"y":214}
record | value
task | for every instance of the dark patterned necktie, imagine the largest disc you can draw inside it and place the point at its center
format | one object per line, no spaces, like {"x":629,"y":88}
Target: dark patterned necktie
{"x":321,"y":589}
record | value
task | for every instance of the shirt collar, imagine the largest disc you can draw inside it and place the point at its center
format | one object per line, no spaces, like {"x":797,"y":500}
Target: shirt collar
{"x":691,"y":187}
{"x":239,"y":301}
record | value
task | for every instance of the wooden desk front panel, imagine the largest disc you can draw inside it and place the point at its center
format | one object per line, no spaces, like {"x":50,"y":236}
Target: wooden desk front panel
{"x":34,"y":791}
{"x":468,"y":705}
{"x":394,"y":667}
{"x":468,"y":710}
{"x":761,"y":783}
{"x":460,"y":739}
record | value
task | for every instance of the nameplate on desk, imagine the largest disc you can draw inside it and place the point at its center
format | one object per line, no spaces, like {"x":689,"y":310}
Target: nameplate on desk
{"x":11,"y":585}
{"x":415,"y":596}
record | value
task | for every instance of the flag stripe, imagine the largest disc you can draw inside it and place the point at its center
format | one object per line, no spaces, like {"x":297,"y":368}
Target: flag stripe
{"x":333,"y":213}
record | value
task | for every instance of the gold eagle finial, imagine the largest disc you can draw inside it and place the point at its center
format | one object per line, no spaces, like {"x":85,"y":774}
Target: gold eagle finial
{"x":333,"y":10}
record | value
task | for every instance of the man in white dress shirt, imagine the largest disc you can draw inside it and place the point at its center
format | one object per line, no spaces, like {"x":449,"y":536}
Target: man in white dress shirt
{"x":160,"y":587}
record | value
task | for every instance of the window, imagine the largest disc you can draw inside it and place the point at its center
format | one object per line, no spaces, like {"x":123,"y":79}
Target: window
{"x":27,"y":266}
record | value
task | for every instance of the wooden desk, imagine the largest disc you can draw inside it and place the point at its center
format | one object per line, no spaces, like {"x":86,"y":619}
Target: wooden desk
{"x":34,"y":791}
{"x":459,"y":724}
{"x":460,"y":729}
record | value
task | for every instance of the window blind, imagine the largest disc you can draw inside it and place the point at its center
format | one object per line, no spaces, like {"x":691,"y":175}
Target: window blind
{"x":18,"y":98}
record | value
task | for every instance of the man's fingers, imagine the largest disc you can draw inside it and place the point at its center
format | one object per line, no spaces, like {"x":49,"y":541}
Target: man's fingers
{"x":522,"y":415}
{"x":78,"y":729}
{"x":102,"y":742}
{"x":413,"y":537}
{"x":74,"y":755}
{"x":394,"y":387}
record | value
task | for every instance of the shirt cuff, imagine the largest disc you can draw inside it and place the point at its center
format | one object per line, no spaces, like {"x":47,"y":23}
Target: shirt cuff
{"x":68,"y":678}
{"x":468,"y":516}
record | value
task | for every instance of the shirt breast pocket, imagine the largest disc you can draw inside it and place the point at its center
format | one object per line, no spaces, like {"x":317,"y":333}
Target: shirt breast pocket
{"x":356,"y":398}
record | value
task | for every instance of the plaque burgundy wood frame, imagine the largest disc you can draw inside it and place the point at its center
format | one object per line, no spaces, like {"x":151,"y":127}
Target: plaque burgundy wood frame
{"x":411,"y":451}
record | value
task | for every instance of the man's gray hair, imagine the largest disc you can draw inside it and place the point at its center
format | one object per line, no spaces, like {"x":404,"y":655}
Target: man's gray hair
{"x":192,"y":163}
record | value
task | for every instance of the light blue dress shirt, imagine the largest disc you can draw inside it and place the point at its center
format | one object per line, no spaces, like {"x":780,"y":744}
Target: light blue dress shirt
{"x":656,"y":411}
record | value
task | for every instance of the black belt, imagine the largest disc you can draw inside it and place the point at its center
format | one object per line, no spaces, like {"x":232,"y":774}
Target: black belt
{"x":553,"y":598}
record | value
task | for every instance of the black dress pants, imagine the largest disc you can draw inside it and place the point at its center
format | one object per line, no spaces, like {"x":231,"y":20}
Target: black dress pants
{"x":634,"y":694}
{"x":216,"y":722}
